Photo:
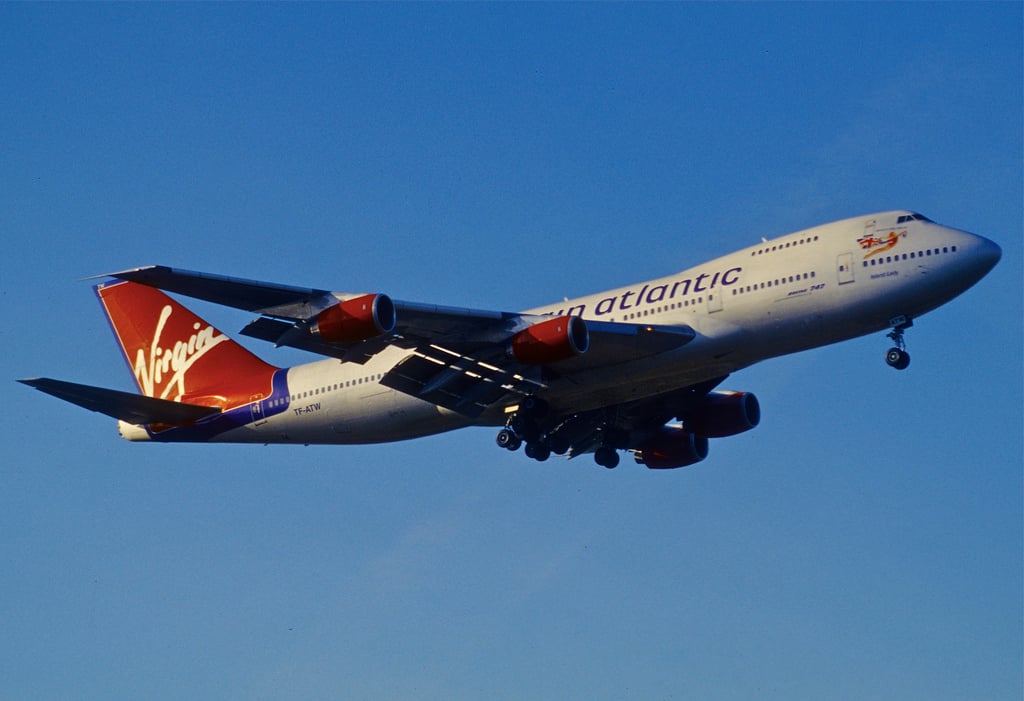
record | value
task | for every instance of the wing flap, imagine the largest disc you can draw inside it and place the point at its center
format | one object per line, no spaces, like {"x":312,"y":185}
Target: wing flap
{"x":457,"y":382}
{"x":126,"y":406}
{"x":282,"y":333}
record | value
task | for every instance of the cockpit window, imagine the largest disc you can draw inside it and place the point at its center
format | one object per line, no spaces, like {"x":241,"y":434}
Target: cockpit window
{"x":912,"y":217}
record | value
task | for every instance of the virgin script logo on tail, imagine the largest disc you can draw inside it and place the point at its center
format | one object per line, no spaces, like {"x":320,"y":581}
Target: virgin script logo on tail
{"x":170,"y":365}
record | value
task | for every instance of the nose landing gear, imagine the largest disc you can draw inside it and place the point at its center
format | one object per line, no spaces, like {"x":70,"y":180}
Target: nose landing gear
{"x":897,"y":356}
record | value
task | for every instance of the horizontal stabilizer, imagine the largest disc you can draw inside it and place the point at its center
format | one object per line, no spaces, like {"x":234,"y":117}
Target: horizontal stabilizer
{"x":133,"y":408}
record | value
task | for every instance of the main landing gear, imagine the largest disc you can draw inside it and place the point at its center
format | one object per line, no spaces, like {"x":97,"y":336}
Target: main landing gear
{"x":523,"y":429}
{"x":897,"y":356}
{"x":508,"y":439}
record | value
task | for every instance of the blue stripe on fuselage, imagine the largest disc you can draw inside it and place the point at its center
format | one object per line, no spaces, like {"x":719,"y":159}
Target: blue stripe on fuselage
{"x":213,"y":426}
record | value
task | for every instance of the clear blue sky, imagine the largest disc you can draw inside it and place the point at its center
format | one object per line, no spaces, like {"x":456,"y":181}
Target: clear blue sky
{"x":863,"y":543}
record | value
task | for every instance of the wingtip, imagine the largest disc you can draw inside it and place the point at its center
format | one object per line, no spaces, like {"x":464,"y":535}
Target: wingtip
{"x":122,"y":274}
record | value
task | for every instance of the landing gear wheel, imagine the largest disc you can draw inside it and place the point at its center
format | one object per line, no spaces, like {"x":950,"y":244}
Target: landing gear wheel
{"x":606,"y":457}
{"x":537,"y":451}
{"x":897,"y":358}
{"x":559,"y":446}
{"x":508,"y":440}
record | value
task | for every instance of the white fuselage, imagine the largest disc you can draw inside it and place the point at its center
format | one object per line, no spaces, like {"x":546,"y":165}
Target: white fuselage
{"x":800,"y":291}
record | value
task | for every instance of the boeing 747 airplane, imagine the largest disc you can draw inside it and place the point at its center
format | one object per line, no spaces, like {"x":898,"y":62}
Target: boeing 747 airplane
{"x":633,"y":369}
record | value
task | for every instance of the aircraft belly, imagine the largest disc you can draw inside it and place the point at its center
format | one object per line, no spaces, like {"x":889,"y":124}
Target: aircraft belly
{"x":385,"y":415}
{"x":377,"y":415}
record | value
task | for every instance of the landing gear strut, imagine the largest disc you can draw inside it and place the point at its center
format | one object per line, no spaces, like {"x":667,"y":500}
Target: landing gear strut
{"x":522,"y":428}
{"x":897,"y":356}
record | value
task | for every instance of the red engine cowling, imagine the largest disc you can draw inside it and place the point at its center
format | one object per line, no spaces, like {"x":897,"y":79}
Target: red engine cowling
{"x":673,"y":447}
{"x":723,"y":414}
{"x":550,"y":341}
{"x":356,"y":319}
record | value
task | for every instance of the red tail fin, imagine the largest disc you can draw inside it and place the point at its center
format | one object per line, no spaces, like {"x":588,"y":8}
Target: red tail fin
{"x":176,"y":355}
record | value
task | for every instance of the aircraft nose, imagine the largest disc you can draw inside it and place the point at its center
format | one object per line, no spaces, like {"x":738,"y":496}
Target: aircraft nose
{"x":987,"y":253}
{"x":984,"y":254}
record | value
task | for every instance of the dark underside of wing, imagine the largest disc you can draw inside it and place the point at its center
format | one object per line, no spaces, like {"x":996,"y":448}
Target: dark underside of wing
{"x":584,"y":432}
{"x":470,"y":381}
{"x":240,"y":293}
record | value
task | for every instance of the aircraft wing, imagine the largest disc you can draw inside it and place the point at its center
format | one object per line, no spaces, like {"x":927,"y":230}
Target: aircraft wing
{"x":460,"y":357}
{"x":126,"y":406}
{"x":294,"y":308}
{"x":249,"y":295}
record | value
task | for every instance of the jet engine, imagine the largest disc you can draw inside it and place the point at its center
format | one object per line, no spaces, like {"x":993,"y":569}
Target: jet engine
{"x":549,"y":341}
{"x":722,"y":414}
{"x":356,"y":319}
{"x":673,"y":447}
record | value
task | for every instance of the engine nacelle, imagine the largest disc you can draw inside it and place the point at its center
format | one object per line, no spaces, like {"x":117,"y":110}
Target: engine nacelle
{"x":673,"y":447}
{"x":356,"y":319}
{"x":723,"y":414}
{"x":549,"y":341}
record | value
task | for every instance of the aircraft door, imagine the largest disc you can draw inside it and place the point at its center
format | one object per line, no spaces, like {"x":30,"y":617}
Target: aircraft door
{"x":256,"y":410}
{"x":714,"y":301}
{"x":844,"y":268}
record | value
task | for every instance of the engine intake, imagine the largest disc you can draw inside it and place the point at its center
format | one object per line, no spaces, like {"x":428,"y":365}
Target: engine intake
{"x":550,"y":341}
{"x":356,"y":319}
{"x":673,"y":447}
